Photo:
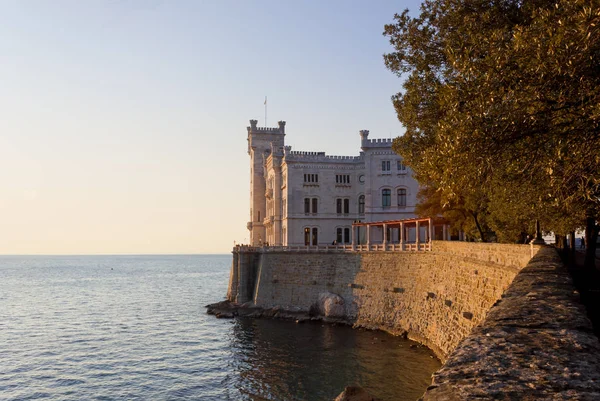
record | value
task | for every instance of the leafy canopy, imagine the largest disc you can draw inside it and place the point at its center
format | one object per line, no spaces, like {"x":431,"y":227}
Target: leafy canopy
{"x":502,"y":108}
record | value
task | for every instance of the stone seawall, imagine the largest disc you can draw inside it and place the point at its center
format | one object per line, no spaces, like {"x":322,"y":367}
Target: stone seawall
{"x":434,"y":297}
{"x":535,"y":343}
{"x":505,"y":319}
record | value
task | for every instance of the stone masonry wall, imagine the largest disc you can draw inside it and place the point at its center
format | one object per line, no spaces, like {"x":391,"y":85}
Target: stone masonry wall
{"x":536,"y":343}
{"x":436,"y":297}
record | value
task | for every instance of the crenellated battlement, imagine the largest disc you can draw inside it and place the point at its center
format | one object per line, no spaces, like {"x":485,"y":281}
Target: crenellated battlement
{"x":303,"y":156}
{"x":255,"y":129}
{"x":302,"y":153}
{"x":376,"y":143}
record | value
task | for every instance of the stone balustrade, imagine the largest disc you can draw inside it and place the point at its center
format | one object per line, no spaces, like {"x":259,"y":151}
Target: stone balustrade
{"x":405,"y":247}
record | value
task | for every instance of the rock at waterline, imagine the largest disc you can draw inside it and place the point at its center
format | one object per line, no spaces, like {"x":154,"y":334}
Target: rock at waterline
{"x":355,"y":393}
{"x":331,"y":305}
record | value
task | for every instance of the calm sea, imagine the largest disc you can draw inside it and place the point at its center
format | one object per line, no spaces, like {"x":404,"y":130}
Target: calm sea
{"x":135,"y":328}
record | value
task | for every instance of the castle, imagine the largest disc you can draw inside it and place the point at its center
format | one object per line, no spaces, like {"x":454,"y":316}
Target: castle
{"x":310,"y":198}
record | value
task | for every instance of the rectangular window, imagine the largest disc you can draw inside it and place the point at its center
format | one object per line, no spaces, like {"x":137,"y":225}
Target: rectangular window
{"x":347,"y":235}
{"x":339,"y":236}
{"x":346,"y":206}
{"x":386,"y":198}
{"x":342,"y":178}
{"x":314,"y":205}
{"x":307,"y":205}
{"x":385,"y":165}
{"x":401,"y":167}
{"x":401,"y":197}
{"x":308,"y":178}
{"x":338,"y":206}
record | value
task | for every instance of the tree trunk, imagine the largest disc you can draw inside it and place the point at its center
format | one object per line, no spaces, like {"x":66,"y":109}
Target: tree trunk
{"x":572,"y":248}
{"x":591,"y":237}
{"x":481,"y":234}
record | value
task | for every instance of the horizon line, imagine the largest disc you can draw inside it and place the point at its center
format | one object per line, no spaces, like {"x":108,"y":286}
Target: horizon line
{"x":111,"y":254}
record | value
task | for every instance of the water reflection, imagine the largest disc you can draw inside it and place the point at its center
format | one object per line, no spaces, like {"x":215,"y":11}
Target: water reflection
{"x":279,"y":360}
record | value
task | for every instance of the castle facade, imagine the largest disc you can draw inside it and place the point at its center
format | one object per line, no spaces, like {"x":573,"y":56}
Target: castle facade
{"x":310,"y":198}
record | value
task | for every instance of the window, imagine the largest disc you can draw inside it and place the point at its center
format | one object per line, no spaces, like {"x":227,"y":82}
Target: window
{"x":311,"y":239}
{"x":347,"y":235}
{"x":342,"y":178}
{"x":311,"y":178}
{"x":386,"y":197}
{"x":402,"y":197}
{"x":306,"y":205}
{"x":258,"y":216}
{"x":361,"y":204}
{"x":314,"y":205}
{"x":385,"y":165}
{"x":338,"y":206}
{"x":338,"y":237}
{"x":346,"y":206}
{"x":401,"y":167}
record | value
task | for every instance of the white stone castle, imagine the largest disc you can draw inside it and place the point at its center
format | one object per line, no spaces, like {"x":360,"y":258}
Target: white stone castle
{"x":310,"y":198}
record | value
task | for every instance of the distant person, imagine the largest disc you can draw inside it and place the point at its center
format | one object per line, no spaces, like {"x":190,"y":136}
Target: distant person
{"x":528,"y":239}
{"x":334,"y":242}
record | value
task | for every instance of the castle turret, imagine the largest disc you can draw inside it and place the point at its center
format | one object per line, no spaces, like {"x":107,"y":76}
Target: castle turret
{"x":261,"y":140}
{"x":364,"y":137}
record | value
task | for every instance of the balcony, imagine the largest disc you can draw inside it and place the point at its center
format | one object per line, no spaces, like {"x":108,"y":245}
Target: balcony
{"x":249,"y":225}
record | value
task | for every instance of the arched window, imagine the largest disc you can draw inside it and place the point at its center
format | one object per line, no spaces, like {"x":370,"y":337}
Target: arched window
{"x":315,"y":236}
{"x":386,"y":197}
{"x":361,"y":204}
{"x":307,"y":236}
{"x":401,"y":197}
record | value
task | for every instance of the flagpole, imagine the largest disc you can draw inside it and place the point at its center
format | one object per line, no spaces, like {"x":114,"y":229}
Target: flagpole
{"x":266,"y":125}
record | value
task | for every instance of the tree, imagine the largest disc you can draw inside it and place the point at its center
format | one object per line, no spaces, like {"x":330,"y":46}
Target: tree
{"x":501,"y":101}
{"x":466,"y":214}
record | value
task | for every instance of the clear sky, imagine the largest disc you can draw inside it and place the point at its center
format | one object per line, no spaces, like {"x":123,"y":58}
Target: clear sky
{"x":123,"y":123}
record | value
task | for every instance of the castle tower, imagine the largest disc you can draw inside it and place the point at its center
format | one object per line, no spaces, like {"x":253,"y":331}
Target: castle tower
{"x":260,"y":142}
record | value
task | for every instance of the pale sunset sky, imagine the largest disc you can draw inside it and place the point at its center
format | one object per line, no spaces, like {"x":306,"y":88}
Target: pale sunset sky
{"x":123,"y":122}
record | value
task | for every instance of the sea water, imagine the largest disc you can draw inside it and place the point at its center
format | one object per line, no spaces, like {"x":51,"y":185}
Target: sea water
{"x":136,"y":328}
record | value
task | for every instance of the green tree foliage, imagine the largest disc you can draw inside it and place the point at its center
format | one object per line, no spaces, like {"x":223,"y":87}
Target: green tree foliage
{"x":501,"y":105}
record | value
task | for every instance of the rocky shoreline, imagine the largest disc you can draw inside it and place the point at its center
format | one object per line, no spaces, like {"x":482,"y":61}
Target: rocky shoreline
{"x":227,"y":310}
